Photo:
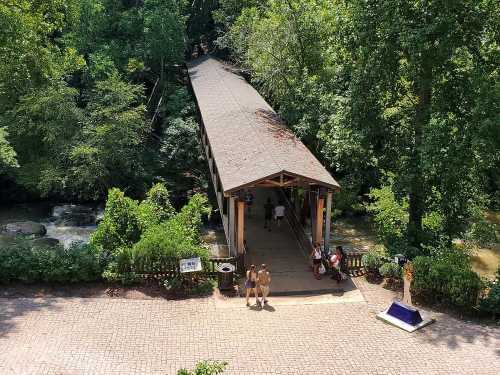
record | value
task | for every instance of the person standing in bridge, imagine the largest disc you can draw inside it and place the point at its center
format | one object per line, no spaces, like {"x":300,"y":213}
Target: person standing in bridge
{"x":249,"y":202}
{"x":268,"y":214}
{"x":264,"y":278}
{"x":279,"y":213}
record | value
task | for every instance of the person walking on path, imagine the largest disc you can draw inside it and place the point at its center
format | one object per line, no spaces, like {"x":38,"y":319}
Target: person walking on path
{"x":264,"y":278}
{"x":316,"y":258}
{"x":249,"y":202}
{"x":268,"y":214}
{"x":251,"y":284}
{"x":279,"y":213}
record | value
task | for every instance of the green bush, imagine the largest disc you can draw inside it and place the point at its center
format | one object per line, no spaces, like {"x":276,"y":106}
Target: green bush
{"x":120,"y":225}
{"x":372,"y":261}
{"x":490,"y":303}
{"x":22,"y":262}
{"x":156,"y":207}
{"x":163,"y":243}
{"x":205,"y":368}
{"x":443,"y":280}
{"x":391,"y":270}
{"x":390,"y":214}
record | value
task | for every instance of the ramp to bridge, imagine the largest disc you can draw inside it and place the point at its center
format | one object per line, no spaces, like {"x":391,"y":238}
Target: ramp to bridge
{"x":280,"y":250}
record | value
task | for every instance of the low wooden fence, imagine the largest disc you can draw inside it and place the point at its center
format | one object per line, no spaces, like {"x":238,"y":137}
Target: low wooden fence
{"x":170,"y":270}
{"x":354,"y":263}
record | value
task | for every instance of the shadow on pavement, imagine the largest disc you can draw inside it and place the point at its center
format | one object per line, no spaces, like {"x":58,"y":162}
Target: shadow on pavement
{"x":12,"y":309}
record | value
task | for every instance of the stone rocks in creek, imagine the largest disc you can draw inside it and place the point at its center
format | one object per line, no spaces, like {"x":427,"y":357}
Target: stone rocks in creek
{"x":73,"y":215}
{"x":26,"y":228}
{"x":45,"y":242}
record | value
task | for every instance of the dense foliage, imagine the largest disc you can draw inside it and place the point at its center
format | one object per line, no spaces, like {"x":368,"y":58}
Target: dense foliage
{"x":446,"y":280}
{"x":21,"y":261}
{"x":490,"y":303}
{"x":405,"y":89}
{"x":205,"y":368}
{"x":149,"y":237}
{"x":91,"y":98}
{"x":390,"y":270}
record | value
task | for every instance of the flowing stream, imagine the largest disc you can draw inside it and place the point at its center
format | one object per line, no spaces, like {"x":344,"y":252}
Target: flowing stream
{"x":65,"y":222}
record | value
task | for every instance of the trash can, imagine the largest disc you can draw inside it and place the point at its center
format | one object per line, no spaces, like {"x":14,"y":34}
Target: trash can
{"x":225,"y":273}
{"x":400,"y":259}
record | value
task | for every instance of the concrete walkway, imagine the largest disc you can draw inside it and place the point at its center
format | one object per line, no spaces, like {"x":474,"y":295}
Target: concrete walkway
{"x":102,"y":336}
{"x":287,"y":262}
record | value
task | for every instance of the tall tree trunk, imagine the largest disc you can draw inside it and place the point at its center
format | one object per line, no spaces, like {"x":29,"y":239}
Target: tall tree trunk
{"x":423,"y":89}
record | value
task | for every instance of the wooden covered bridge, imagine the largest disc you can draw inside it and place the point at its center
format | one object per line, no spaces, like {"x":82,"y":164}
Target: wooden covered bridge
{"x":248,"y":147}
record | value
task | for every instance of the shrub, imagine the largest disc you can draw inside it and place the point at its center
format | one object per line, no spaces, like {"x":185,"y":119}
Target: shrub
{"x":391,"y":270}
{"x":165,"y":244}
{"x":444,"y":280}
{"x":162,"y":245}
{"x":390,"y":214}
{"x":490,"y":303}
{"x":464,"y":288}
{"x":205,"y":368}
{"x":372,"y":261}
{"x":22,"y":262}
{"x":156,"y":207}
{"x":120,"y":224}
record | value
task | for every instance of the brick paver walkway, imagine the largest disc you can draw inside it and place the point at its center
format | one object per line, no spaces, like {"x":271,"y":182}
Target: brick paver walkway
{"x":119,"y":336}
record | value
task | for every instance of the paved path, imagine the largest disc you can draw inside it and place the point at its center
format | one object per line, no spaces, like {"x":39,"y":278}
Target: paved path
{"x":79,"y":336}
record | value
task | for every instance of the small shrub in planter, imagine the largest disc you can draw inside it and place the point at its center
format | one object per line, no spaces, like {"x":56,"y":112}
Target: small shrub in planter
{"x":372,"y":262}
{"x":391,"y":271}
{"x":205,"y":368}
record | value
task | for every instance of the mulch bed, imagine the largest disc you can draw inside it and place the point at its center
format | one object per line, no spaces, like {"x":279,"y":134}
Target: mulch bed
{"x":90,"y":290}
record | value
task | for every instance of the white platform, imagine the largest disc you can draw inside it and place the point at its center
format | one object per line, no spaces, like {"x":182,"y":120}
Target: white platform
{"x":400,"y":324}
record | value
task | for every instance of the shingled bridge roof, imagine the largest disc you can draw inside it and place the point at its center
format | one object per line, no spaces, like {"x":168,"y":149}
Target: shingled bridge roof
{"x":249,"y":142}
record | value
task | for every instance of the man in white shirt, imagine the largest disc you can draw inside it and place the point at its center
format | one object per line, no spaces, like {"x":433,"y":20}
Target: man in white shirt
{"x":279,"y":213}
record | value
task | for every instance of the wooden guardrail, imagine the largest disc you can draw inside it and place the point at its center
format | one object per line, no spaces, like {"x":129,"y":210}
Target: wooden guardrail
{"x":171,"y":269}
{"x":354,"y":261}
{"x":297,"y":228}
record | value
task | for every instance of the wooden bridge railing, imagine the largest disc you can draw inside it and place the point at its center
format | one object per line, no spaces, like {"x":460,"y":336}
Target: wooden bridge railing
{"x":171,"y":269}
{"x":354,"y":263}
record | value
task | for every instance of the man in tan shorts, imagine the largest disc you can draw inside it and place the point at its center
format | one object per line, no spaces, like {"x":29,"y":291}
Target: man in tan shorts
{"x":264,"y":282}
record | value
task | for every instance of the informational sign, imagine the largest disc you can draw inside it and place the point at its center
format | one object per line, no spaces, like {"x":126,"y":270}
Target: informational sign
{"x":190,"y":265}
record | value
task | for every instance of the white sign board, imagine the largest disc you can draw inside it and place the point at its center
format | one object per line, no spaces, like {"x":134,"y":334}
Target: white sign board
{"x":190,"y":265}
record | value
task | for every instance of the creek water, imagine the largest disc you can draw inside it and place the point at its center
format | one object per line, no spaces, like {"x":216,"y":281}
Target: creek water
{"x":43,"y":213}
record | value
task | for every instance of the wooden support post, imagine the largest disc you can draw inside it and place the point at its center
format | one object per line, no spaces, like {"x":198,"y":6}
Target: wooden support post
{"x":328,"y":218}
{"x":241,"y":227}
{"x":232,"y":227}
{"x":312,"y":198}
{"x":319,"y":219}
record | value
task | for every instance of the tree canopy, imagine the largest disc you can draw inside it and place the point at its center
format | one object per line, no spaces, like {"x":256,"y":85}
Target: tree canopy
{"x":400,"y":91}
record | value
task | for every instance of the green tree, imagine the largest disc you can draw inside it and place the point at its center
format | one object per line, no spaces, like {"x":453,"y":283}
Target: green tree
{"x":7,"y":153}
{"x":164,"y":33}
{"x":111,"y":149}
{"x":386,"y":86}
{"x":120,"y":226}
{"x":42,"y":127}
